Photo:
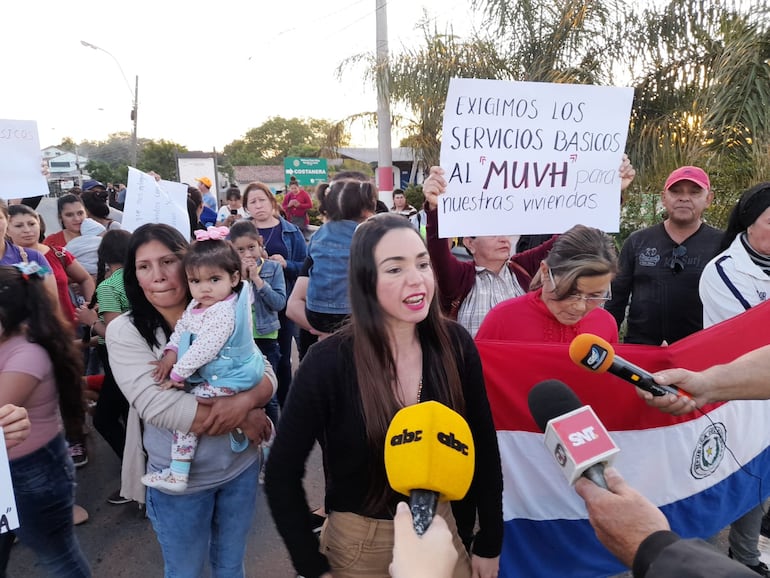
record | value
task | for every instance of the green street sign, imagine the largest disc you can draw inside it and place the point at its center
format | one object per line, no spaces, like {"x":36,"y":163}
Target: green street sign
{"x":308,"y":172}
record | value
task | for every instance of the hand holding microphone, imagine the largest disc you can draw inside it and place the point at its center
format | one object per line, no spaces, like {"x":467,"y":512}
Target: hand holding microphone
{"x":432,"y":554}
{"x":695,"y":382}
{"x":621,"y":517}
{"x":429,"y":456}
{"x":595,"y":354}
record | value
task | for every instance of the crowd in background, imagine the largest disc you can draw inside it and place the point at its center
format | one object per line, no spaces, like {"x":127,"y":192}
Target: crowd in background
{"x":155,"y":330}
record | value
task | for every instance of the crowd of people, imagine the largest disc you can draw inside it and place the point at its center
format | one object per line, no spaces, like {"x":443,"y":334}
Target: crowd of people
{"x":189,"y":343}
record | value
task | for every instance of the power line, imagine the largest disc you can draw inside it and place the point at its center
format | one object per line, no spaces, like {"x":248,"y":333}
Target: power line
{"x":314,"y":23}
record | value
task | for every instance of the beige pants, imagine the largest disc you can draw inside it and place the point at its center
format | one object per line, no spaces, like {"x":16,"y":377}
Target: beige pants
{"x":357,"y":546}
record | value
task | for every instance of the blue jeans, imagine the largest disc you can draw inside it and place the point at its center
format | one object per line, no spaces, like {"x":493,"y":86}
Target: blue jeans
{"x":744,"y":537}
{"x":286,"y":334}
{"x":270,"y":349}
{"x":215,"y":521}
{"x":44,"y":486}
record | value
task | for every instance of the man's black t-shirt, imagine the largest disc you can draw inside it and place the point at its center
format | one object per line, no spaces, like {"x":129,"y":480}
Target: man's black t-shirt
{"x":661,"y":279}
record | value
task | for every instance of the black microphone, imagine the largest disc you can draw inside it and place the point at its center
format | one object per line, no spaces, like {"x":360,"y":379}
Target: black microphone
{"x":573,"y":434}
{"x":597,"y":355}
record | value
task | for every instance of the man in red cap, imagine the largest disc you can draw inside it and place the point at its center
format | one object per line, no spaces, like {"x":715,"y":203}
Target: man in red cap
{"x":660,"y":266}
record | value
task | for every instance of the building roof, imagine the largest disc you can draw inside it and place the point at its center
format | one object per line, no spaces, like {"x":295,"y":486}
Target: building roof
{"x":371,"y":155}
{"x":263,"y":173}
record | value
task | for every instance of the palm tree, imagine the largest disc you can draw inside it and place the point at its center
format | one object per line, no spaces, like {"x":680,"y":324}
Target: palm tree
{"x":419,"y":81}
{"x":574,"y":41}
{"x":703,"y":96}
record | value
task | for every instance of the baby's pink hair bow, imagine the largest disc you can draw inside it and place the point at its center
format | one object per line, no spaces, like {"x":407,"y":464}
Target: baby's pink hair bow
{"x":212,"y":234}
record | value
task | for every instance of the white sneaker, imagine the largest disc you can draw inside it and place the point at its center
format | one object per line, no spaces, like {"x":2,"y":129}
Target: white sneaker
{"x":165,"y":480}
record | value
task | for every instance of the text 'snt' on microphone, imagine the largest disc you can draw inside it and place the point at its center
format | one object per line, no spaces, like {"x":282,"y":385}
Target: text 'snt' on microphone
{"x":574,"y":436}
{"x":429,"y":456}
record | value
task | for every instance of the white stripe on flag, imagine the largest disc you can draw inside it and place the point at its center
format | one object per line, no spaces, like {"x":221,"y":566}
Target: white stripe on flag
{"x":657,"y":462}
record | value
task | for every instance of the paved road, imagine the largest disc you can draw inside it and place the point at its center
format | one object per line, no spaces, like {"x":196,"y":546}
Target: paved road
{"x":118,"y":540}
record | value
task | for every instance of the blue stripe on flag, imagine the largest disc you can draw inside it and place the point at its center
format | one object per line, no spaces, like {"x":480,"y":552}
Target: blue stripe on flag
{"x":550,"y":548}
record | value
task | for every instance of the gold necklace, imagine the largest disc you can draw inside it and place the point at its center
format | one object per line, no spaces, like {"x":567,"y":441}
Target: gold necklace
{"x":402,"y":393}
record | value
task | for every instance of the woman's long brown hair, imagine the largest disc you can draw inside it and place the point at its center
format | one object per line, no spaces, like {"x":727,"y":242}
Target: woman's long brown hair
{"x":375,"y":366}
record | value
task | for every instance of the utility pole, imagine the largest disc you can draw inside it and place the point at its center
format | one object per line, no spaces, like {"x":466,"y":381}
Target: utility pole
{"x":134,"y":117}
{"x":385,"y":151}
{"x":134,"y":98}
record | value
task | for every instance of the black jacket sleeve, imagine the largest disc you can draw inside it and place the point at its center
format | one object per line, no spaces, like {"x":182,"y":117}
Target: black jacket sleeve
{"x":486,"y":493}
{"x":301,"y":424}
{"x":622,"y":284}
{"x":664,"y":554}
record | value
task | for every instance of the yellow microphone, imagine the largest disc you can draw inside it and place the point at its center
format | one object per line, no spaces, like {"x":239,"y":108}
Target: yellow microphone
{"x":429,"y":456}
{"x":596,"y":354}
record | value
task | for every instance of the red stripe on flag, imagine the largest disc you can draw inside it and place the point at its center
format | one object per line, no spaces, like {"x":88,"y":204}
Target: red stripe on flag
{"x":511,"y":369}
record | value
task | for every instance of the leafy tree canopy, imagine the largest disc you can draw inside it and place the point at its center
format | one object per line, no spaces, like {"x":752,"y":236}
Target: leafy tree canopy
{"x":278,"y":138}
{"x":699,"y":69}
{"x":108,"y":160}
{"x":160,"y":156}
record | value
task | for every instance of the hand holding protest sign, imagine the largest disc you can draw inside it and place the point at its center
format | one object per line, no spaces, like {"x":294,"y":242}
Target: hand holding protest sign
{"x":20,"y":166}
{"x":9,"y":515}
{"x":149,"y":200}
{"x":528,"y":157}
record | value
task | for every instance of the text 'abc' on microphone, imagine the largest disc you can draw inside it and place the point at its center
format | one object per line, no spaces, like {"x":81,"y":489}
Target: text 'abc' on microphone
{"x":574,"y":436}
{"x":596,"y":354}
{"x":429,"y":456}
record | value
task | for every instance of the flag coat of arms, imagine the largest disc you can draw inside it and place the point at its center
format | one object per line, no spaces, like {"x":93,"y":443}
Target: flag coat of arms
{"x":704,"y":469}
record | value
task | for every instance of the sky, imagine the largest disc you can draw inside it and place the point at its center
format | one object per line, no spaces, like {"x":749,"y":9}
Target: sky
{"x":208,"y":71}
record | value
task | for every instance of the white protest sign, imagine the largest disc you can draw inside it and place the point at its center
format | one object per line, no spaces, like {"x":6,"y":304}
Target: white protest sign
{"x":151,"y":201}
{"x":9,"y":515}
{"x":20,"y":171}
{"x":531,"y":157}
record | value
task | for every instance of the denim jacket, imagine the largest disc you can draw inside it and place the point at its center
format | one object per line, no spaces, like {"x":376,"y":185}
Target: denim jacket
{"x":270,"y":299}
{"x":297,"y":248}
{"x":329,"y":248}
{"x":239,"y":365}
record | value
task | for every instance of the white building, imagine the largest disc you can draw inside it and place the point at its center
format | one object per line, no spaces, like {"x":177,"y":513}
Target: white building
{"x":66,"y":169}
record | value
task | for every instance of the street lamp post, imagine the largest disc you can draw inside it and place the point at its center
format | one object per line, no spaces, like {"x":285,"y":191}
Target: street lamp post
{"x":134,"y":98}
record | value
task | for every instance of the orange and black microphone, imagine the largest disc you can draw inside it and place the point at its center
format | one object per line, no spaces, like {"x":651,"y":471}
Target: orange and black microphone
{"x":429,"y":456}
{"x":595,"y":354}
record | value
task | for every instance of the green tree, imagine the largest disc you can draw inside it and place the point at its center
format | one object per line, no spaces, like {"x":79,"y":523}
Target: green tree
{"x":419,"y":81}
{"x":540,"y":40}
{"x":700,"y":72}
{"x":703,"y":98}
{"x":103,"y":172}
{"x":108,"y":160}
{"x":572,"y":41}
{"x":67,"y":144}
{"x":160,"y":156}
{"x":115,"y":150}
{"x":274,"y":139}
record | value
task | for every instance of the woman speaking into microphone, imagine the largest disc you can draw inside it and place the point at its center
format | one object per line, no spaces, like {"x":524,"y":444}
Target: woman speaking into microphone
{"x":396,"y":350}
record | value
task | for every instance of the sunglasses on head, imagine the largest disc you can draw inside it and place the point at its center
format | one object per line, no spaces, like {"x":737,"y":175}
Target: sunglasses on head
{"x":677,"y":259}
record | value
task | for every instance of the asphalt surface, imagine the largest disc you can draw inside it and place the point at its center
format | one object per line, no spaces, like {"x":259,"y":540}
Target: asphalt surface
{"x":119,"y":541}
